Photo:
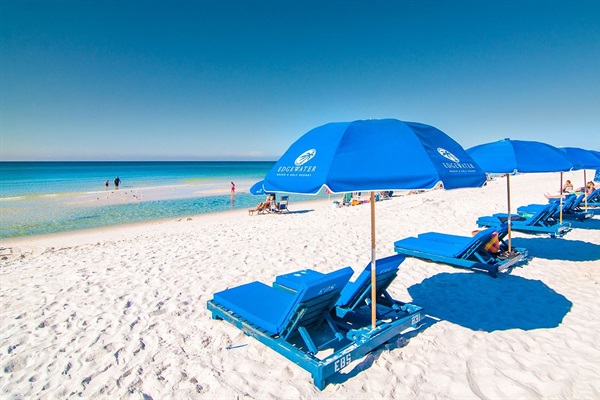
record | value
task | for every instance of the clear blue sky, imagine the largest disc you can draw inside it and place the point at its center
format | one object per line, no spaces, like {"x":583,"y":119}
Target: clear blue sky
{"x":242,"y":80}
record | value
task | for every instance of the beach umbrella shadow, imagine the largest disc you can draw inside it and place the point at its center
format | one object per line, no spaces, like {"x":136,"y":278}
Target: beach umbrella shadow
{"x":397,"y":343}
{"x":301,"y":211}
{"x":588,"y":223}
{"x":569,"y":250}
{"x":476,"y":302}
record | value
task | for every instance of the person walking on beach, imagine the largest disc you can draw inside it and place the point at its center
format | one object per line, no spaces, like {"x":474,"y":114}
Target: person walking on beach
{"x":232,"y":187}
{"x":117,"y":181}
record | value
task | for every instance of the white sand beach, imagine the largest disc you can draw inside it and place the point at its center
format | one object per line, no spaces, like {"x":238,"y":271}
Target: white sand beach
{"x":120,"y":312}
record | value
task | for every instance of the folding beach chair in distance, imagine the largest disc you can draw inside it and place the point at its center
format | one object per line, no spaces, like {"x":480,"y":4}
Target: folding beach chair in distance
{"x":283,"y":204}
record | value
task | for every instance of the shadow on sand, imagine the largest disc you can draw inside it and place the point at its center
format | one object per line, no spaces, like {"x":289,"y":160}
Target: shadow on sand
{"x":590,"y":223}
{"x":299,"y":212}
{"x":559,"y":249}
{"x":480,"y":303}
{"x":369,"y":359}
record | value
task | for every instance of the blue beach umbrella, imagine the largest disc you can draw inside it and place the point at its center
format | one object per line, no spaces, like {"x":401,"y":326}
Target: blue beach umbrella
{"x":597,"y":175}
{"x":512,"y":156}
{"x":257,"y":189}
{"x":582,"y":158}
{"x":585,"y":159}
{"x":373,"y":155}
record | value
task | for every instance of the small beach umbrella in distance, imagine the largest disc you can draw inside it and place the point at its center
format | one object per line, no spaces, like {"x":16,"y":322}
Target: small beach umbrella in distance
{"x":585,"y":159}
{"x":373,"y":155}
{"x":511,"y":156}
{"x":257,"y":189}
{"x":597,"y":175}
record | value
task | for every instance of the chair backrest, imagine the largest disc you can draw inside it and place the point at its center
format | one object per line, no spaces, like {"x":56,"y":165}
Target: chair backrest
{"x":273,"y":203}
{"x":347,"y":197}
{"x":314,"y":298}
{"x":575,"y":204}
{"x":283,"y":204}
{"x":540,"y":217}
{"x":568,"y":203}
{"x":594,"y":196}
{"x":478,"y":242}
{"x":486,"y":234}
{"x":355,"y":293}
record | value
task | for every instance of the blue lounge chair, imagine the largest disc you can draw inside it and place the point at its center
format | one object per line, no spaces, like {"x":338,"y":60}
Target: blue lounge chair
{"x":571,"y":208}
{"x":462,"y":251}
{"x":593,"y":199}
{"x":295,"y":317}
{"x":540,"y":221}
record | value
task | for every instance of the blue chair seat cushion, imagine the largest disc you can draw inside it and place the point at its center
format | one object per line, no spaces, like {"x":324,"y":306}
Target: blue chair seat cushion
{"x":444,"y":238}
{"x":532,"y":208}
{"x":446,"y":245}
{"x":262,"y":305}
{"x":444,"y":249}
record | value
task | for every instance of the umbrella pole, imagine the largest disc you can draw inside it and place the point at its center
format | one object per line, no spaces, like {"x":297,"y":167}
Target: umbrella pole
{"x":585,"y":189}
{"x":561,"y":197}
{"x":509,"y":217}
{"x":373,"y":266}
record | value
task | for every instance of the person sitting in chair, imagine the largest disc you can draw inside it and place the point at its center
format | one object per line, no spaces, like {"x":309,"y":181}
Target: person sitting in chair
{"x":589,"y":188}
{"x":265,"y":205}
{"x":566,"y":189}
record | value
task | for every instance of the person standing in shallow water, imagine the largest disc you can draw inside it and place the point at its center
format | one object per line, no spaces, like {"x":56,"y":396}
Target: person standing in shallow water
{"x":232,"y":187}
{"x":117,"y":181}
{"x":106,"y":184}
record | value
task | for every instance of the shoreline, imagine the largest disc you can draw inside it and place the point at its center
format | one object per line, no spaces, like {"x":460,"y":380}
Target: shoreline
{"x":155,"y":192}
{"x":75,"y":211}
{"x":124,"y":229}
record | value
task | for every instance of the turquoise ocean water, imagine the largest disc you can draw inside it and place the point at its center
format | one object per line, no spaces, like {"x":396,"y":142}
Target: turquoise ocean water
{"x":35,"y":197}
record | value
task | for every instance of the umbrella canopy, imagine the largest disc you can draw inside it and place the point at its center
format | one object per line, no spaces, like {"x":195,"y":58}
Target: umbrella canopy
{"x":511,"y":156}
{"x":597,"y":176}
{"x":373,"y":155}
{"x":258,"y":189}
{"x":585,"y":159}
{"x":582,"y":158}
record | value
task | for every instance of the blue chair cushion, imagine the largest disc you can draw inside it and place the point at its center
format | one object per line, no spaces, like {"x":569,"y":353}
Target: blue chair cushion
{"x":446,"y":245}
{"x":258,"y":303}
{"x":294,"y":280}
{"x":452,"y":250}
{"x":271,"y":308}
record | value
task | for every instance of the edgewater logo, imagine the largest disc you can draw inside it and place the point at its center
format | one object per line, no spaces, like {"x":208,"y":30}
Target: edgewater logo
{"x":299,"y":169}
{"x":305,"y":157}
{"x":455,"y":165}
{"x":448,"y":155}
